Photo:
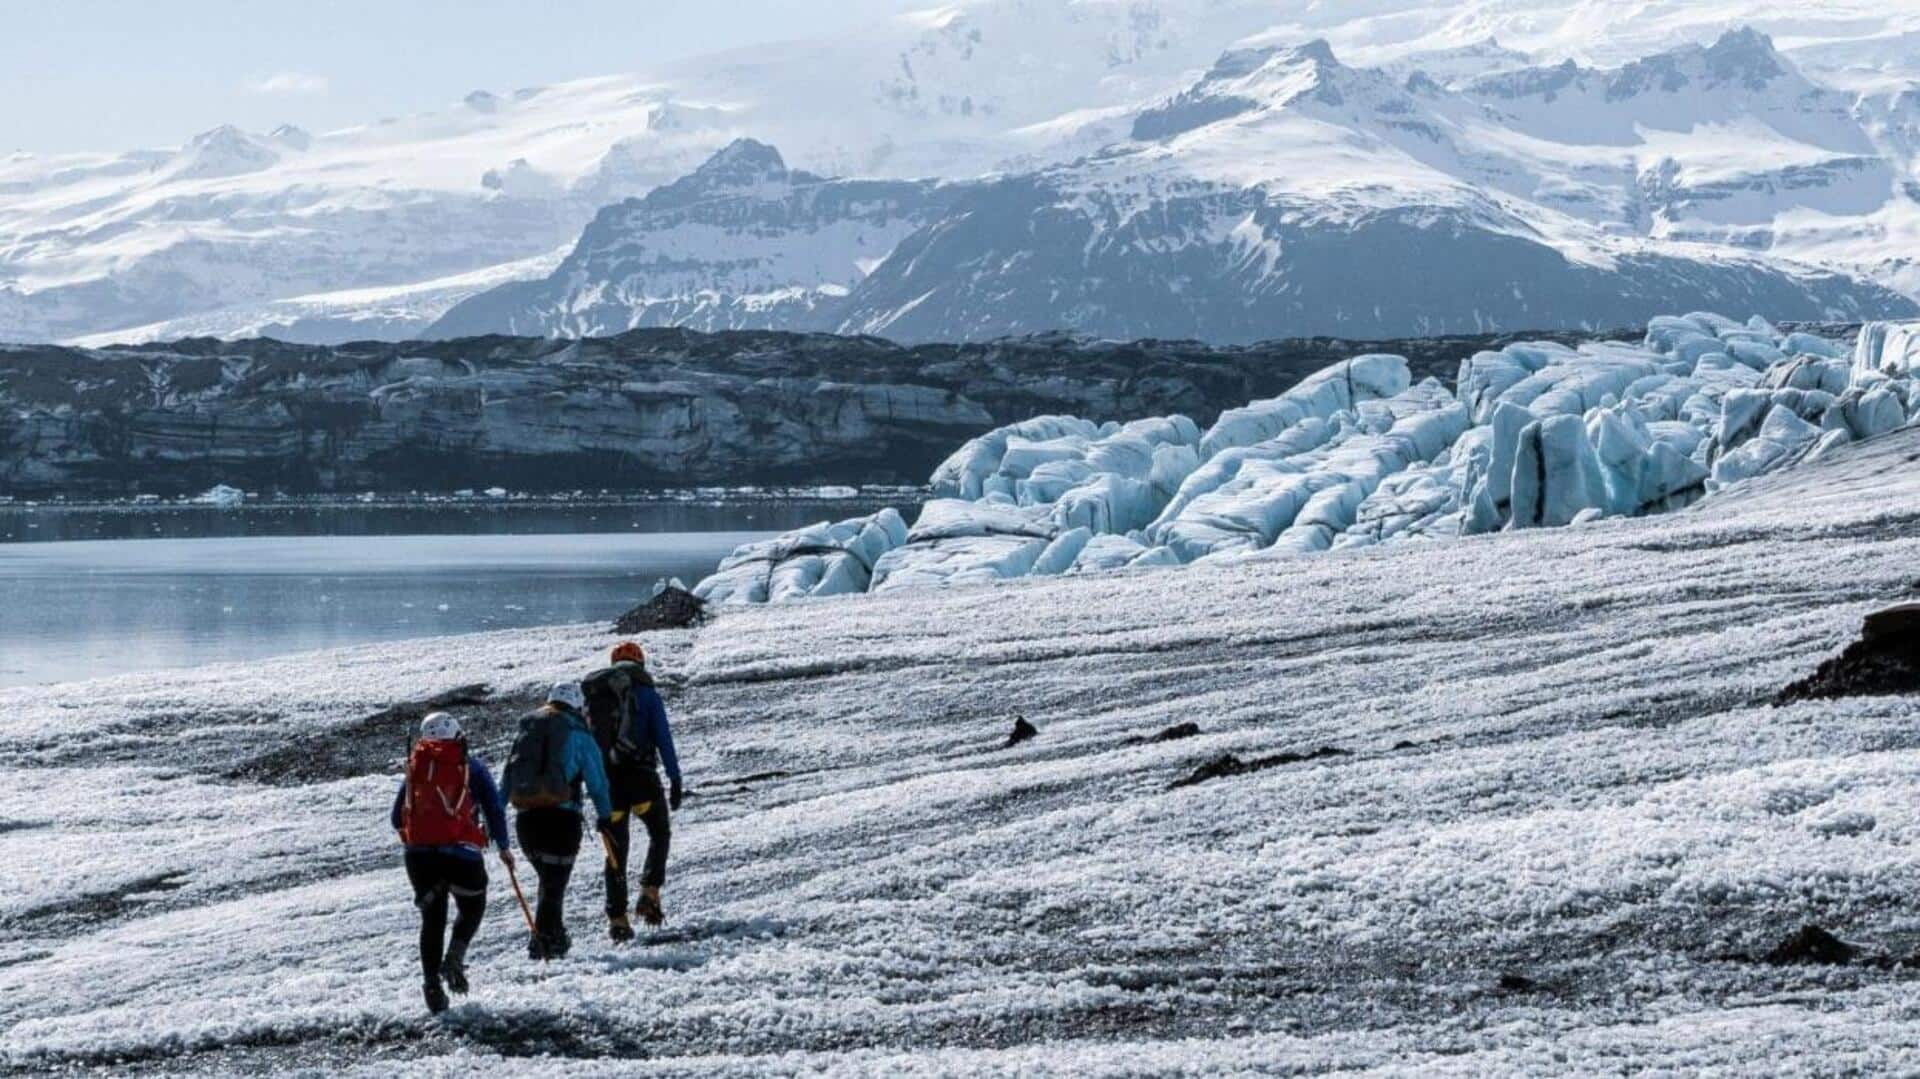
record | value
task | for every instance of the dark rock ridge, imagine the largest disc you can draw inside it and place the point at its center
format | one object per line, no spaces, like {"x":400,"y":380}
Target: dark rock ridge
{"x":670,"y":608}
{"x":648,"y":408}
{"x":1885,"y":660}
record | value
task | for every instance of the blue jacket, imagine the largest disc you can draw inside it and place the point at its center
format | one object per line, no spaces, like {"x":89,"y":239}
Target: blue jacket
{"x":486,"y":795}
{"x":585,"y":766}
{"x":650,"y":714}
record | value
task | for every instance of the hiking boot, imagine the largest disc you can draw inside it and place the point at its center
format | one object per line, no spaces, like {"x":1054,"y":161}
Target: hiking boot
{"x":558,"y":945}
{"x":436,"y":996}
{"x":647,"y":907}
{"x":453,"y":969}
{"x":619,"y":928}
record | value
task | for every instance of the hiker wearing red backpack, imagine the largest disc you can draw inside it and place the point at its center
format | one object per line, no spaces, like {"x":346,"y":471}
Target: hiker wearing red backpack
{"x":553,"y":757}
{"x":446,"y":810}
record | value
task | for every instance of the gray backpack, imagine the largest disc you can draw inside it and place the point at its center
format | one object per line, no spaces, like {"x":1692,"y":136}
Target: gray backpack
{"x":536,"y":772}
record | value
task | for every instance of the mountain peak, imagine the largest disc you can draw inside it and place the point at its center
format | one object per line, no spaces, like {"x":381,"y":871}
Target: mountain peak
{"x":223,"y":151}
{"x":1318,"y":52}
{"x":742,"y":165}
{"x":1744,"y":57}
{"x":1744,"y":54}
{"x":742,"y":161}
{"x":1246,"y":79}
{"x":291,"y":135}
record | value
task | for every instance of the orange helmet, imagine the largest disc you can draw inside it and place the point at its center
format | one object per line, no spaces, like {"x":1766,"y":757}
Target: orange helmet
{"x":629,"y":652}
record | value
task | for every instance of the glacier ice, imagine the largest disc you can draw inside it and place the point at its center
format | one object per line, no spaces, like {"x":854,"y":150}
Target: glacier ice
{"x":818,"y":560}
{"x":1534,"y":434}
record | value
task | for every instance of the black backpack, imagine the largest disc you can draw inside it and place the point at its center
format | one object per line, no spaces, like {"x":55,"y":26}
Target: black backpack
{"x":627,"y":748}
{"x":606,"y":691}
{"x":536,"y":772}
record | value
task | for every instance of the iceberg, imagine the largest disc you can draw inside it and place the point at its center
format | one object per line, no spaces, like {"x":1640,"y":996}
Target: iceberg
{"x":964,"y":474}
{"x":825,"y":559}
{"x":221,"y":495}
{"x":1887,"y":348}
{"x":1329,"y":390}
{"x":955,"y":542}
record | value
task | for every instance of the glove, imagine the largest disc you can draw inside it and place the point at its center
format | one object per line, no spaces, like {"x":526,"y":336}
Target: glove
{"x":506,"y":857}
{"x":674,"y":796}
{"x":605,"y":826}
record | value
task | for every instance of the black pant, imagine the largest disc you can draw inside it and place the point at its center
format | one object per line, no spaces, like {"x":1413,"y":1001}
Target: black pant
{"x":645,"y":800}
{"x":551,"y":840}
{"x":434,"y":876}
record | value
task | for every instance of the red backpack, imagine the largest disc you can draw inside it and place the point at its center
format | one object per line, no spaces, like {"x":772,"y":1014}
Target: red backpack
{"x":439,"y":810}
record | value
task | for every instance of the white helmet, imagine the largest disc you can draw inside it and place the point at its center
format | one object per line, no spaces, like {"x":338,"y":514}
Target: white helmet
{"x":439,"y":727}
{"x":568,"y":693}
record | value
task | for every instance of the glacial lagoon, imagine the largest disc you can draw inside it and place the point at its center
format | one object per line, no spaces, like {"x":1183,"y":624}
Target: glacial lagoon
{"x":217,"y":586}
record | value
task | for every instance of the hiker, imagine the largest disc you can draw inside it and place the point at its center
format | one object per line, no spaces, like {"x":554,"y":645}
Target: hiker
{"x":630,"y":724}
{"x":445,"y":811}
{"x":553,"y":757}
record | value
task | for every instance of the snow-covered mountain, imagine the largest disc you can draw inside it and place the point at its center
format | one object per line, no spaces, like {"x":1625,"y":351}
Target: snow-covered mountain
{"x":1653,"y":141}
{"x":1284,"y":192}
{"x":742,"y":242}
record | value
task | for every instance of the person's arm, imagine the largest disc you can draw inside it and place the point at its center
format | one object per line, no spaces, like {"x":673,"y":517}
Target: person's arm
{"x":586,"y":762}
{"x":399,"y":800}
{"x":656,"y":717}
{"x":487,"y":793}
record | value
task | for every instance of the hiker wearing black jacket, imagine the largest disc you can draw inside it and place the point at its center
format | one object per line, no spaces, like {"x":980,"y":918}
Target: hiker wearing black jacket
{"x":630,"y":725}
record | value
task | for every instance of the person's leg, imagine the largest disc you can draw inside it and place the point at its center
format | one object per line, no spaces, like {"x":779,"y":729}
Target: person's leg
{"x":551,"y":840}
{"x":659,"y":839}
{"x":537,"y":842}
{"x":617,"y":875}
{"x":430,"y":895}
{"x":468,"y":884}
{"x":653,"y":816}
{"x":566,"y":835}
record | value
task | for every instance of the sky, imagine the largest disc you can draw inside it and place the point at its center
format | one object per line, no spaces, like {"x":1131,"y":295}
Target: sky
{"x":127,"y":74}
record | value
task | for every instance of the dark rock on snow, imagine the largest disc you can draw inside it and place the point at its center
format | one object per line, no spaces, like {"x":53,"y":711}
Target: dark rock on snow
{"x":1022,"y":730}
{"x":670,"y":608}
{"x":1812,"y":944}
{"x":1885,"y":660}
{"x":1169,"y":734}
{"x":1226,"y":764}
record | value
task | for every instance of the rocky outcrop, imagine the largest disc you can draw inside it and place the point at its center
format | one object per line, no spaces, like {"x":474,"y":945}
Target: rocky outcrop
{"x":1884,"y":660}
{"x":649,"y":408}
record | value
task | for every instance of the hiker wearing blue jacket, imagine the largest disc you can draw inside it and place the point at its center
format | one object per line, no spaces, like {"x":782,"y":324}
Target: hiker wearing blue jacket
{"x":550,"y":828}
{"x":446,"y":810}
{"x":630,"y":723}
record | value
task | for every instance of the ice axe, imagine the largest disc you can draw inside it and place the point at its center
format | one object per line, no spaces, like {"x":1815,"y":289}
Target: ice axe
{"x":525,"y":911}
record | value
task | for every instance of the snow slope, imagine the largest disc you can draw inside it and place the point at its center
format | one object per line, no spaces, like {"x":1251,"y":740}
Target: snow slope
{"x":220,"y":231}
{"x":1565,"y":821}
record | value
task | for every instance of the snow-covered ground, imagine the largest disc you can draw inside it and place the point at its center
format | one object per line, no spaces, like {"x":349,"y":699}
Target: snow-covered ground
{"x":1561,"y":771}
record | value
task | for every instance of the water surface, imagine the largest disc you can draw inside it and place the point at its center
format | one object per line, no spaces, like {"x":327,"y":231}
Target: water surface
{"x":80,"y":609}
